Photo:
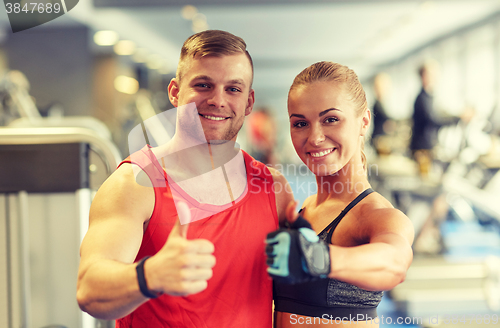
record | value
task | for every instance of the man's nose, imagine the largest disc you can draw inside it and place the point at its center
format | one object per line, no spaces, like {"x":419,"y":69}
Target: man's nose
{"x":217,"y":98}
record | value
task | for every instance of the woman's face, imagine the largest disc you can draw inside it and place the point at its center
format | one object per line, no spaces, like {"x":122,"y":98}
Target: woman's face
{"x":325,"y":127}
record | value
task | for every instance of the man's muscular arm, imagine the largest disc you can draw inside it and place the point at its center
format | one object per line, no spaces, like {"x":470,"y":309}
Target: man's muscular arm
{"x":107,"y":279}
{"x":283,"y":193}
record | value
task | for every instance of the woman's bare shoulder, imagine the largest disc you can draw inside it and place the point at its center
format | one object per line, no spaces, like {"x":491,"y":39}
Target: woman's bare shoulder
{"x":377,"y":215}
{"x":310,"y":202}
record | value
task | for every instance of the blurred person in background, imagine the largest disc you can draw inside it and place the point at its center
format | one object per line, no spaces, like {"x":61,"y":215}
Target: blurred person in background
{"x":262,"y":136}
{"x":425,"y":122}
{"x":426,"y":119}
{"x":382,"y":123}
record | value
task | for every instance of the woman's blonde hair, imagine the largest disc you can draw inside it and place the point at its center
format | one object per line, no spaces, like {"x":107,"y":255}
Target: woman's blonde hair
{"x":326,"y":71}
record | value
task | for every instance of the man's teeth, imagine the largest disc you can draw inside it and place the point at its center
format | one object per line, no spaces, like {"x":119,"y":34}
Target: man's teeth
{"x":214,"y":118}
{"x":322,"y":153}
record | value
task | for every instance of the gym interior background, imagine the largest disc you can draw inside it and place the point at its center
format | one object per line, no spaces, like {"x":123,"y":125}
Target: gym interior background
{"x":72,"y":90}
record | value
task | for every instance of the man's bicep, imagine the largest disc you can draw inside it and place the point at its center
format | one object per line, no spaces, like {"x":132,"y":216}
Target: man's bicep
{"x":283,"y":193}
{"x":117,"y":215}
{"x":116,"y":239}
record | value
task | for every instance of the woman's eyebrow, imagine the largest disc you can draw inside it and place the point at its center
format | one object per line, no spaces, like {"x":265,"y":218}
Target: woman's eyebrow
{"x":328,"y":110}
{"x":320,"y":114}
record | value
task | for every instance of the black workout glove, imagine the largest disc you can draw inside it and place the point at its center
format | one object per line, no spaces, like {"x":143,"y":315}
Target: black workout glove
{"x":297,"y":254}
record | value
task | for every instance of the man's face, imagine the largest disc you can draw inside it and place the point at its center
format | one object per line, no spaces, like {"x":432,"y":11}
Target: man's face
{"x":220,"y":88}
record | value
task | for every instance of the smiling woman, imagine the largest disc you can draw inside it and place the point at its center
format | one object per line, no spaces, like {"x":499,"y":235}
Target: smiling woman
{"x":334,"y":89}
{"x":367,"y":240}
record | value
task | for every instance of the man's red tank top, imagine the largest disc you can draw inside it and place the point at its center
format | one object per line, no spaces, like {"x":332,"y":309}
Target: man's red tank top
{"x":240,"y":292}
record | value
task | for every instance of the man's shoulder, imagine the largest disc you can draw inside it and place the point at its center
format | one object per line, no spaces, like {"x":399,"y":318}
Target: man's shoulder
{"x":129,"y":175}
{"x":123,"y":193}
{"x":141,"y":157}
{"x":255,"y":167}
{"x":146,"y":167}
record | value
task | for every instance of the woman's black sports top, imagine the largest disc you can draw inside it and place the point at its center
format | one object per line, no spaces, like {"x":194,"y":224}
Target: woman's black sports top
{"x":329,"y":298}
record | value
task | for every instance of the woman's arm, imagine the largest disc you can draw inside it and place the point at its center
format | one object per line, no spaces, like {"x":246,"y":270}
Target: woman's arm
{"x":382,"y":263}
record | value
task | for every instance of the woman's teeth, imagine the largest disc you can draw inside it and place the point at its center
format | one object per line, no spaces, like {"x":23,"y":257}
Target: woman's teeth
{"x":321,"y":153}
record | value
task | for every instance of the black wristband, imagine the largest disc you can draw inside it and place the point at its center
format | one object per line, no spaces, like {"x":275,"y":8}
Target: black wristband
{"x":143,"y":286}
{"x":301,"y":222}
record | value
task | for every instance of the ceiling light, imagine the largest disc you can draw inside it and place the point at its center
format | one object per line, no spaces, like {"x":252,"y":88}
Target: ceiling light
{"x":126,"y":84}
{"x":188,"y":12}
{"x":165,"y":69}
{"x":199,"y":19}
{"x":199,"y":28}
{"x":140,"y":55}
{"x":154,"y":62}
{"x":428,"y":6}
{"x":124,"y":48}
{"x":106,"y":38}
{"x":199,"y":23}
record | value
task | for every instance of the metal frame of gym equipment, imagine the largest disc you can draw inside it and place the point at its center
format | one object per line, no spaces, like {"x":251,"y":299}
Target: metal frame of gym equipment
{"x":42,"y":221}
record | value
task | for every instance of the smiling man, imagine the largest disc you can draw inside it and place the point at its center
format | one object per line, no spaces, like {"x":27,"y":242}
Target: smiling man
{"x":138,"y":263}
{"x":221,"y":89}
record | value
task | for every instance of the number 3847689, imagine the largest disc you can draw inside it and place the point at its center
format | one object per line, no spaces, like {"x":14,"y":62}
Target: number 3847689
{"x":32,"y":7}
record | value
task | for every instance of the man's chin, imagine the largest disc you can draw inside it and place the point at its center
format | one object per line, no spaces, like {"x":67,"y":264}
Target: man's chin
{"x":219,"y":138}
{"x":218,"y":141}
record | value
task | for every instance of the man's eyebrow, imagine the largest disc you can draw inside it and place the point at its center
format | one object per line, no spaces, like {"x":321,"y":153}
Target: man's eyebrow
{"x":203,"y":77}
{"x":328,"y":110}
{"x":208,"y":78}
{"x":237,"y":81}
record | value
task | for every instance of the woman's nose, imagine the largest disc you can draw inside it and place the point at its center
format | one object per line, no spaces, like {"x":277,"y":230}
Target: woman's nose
{"x":317,"y":136}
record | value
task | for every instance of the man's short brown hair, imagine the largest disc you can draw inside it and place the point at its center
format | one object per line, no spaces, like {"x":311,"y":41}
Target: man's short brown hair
{"x":211,"y":43}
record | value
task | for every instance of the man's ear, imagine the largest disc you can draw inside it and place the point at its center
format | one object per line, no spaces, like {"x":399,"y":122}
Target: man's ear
{"x":251,"y":101}
{"x":365,"y":121}
{"x":173,"y":92}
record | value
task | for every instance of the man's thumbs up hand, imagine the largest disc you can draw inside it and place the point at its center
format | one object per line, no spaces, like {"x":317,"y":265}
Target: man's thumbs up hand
{"x":181,"y":267}
{"x":182,"y":225}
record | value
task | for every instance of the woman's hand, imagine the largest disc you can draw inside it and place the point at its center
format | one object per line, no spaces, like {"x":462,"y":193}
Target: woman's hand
{"x":296,"y":254}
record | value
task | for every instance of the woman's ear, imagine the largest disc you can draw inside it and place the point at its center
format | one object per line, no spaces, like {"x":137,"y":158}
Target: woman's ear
{"x":365,"y":121}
